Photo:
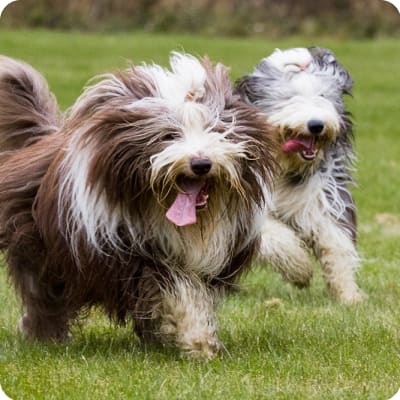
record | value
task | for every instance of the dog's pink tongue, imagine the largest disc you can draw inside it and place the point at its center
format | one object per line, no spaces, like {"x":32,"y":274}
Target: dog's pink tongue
{"x":183,"y":210}
{"x":297,"y":145}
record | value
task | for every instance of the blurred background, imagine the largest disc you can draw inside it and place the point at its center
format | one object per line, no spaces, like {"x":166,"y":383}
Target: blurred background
{"x":272,"y":18}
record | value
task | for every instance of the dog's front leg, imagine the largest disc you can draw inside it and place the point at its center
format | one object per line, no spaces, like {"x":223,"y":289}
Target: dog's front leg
{"x":339,"y":260}
{"x":285,"y":251}
{"x":179,"y":310}
{"x":188,"y":317}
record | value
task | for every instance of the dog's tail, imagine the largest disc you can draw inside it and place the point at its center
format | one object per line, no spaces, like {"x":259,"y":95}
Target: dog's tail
{"x":28,"y":110}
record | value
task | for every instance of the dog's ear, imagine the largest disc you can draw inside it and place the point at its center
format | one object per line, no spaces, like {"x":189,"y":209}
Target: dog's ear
{"x":244,"y":88}
{"x":253,"y":87}
{"x":327,"y":59}
{"x":323,"y":56}
{"x":344,"y":79}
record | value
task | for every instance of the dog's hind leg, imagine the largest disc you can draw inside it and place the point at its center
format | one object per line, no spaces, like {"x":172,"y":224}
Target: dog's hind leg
{"x":33,"y":325}
{"x":287,"y":254}
{"x":181,"y":311}
{"x":45,"y":315}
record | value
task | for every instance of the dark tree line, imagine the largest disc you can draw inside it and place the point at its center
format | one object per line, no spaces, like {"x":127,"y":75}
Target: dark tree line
{"x":238,"y":17}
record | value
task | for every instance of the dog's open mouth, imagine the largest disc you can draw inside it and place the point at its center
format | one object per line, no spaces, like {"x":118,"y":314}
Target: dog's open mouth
{"x":194,"y":196}
{"x":304,"y":145}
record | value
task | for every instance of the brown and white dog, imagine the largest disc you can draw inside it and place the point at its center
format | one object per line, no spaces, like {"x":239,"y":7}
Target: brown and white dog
{"x":145,"y":198}
{"x":301,"y":93}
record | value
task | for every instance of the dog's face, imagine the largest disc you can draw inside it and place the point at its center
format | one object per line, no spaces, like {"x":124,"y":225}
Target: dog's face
{"x":149,"y":144}
{"x":301,"y":92}
{"x":210,"y":145}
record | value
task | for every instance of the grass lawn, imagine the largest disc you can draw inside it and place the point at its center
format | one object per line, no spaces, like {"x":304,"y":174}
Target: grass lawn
{"x":309,"y":347}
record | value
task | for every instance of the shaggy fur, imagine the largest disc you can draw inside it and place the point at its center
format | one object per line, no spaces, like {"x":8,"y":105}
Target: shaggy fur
{"x":146,"y":198}
{"x":301,"y":92}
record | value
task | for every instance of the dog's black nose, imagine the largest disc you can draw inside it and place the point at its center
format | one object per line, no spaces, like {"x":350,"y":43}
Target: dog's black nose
{"x":200,"y":166}
{"x":315,"y":126}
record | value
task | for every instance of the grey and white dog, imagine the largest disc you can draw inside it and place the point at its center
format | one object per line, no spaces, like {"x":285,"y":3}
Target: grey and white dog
{"x":301,"y":92}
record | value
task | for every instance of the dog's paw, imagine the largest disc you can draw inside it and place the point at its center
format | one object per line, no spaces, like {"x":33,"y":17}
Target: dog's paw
{"x":355,"y":296}
{"x":39,"y":330}
{"x":22,"y":327}
{"x":298,"y":268}
{"x":286,"y":253}
{"x":202,"y":349}
{"x":294,"y":265}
